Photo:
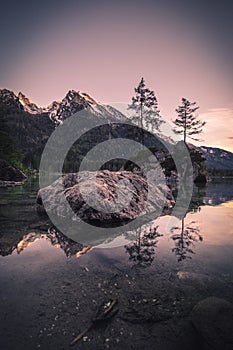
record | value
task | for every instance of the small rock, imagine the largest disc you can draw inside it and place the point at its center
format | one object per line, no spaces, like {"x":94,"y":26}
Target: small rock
{"x":9,"y":173}
{"x":213,"y":320}
{"x":193,"y":277}
{"x":140,"y":312}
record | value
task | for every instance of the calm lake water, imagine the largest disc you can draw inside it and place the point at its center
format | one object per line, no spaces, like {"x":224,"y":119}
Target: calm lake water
{"x":207,"y":230}
{"x":39,"y":268}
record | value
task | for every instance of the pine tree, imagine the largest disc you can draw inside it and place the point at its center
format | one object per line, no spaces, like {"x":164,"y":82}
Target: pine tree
{"x":145,"y":109}
{"x":187,"y":122}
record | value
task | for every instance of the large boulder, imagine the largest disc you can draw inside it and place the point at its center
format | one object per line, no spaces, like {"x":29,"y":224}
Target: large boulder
{"x":213,"y":320}
{"x":9,"y":173}
{"x":112,"y":188}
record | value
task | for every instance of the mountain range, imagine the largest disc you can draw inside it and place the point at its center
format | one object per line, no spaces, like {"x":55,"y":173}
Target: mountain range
{"x":216,"y":158}
{"x":57,"y":111}
{"x":26,"y":127}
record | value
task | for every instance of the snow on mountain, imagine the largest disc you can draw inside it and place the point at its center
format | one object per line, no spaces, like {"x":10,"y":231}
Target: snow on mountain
{"x":76,"y":101}
{"x":29,"y":106}
{"x":58,"y":111}
{"x":216,"y":158}
{"x":20,"y":101}
{"x":73,"y":102}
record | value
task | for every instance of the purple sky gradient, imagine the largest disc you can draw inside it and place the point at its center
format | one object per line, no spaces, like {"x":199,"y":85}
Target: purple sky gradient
{"x":105,"y":48}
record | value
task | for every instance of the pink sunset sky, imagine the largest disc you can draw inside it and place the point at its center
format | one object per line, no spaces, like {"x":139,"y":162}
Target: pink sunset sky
{"x":105,"y":48}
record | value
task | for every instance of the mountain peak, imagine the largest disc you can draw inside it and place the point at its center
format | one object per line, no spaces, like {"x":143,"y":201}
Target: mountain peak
{"x":81,"y":97}
{"x":23,"y":99}
{"x":29,"y":106}
{"x":88,"y":98}
{"x":10,"y":99}
{"x":6,"y":95}
{"x":74,"y":101}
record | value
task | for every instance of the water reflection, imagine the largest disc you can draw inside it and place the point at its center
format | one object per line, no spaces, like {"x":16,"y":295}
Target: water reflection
{"x":184,"y":237}
{"x":218,"y":192}
{"x":20,"y":225}
{"x":57,"y":239}
{"x":142,"y":250}
{"x":186,"y":234}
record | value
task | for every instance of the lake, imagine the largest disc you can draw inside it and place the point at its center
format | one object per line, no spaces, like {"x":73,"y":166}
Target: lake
{"x":51,"y":285}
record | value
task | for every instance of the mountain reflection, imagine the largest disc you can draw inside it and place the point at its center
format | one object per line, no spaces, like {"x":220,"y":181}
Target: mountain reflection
{"x":56,"y":238}
{"x":20,"y":226}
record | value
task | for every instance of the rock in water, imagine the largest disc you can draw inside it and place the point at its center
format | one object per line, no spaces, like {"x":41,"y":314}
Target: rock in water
{"x":113,"y":188}
{"x":213,"y":320}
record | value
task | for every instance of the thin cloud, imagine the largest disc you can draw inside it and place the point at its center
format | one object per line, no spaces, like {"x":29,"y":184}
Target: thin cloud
{"x":216,"y":131}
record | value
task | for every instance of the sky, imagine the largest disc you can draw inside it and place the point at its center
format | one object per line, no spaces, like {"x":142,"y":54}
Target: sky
{"x":182,"y":48}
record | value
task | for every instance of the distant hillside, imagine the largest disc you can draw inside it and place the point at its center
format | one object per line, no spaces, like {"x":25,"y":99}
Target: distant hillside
{"x":217,"y":158}
{"x":22,"y":135}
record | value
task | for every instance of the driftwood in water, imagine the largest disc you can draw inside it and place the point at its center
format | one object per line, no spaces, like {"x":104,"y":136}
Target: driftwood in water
{"x":104,"y":312}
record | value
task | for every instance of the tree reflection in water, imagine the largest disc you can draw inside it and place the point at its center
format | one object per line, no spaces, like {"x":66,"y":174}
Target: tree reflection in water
{"x":185,"y":236}
{"x":142,"y":250}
